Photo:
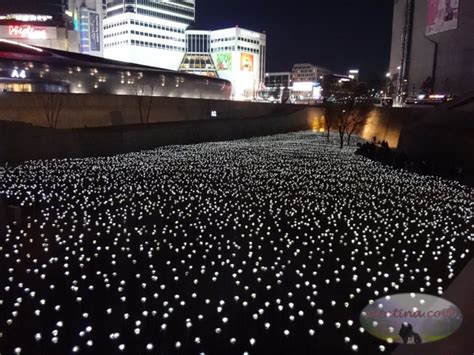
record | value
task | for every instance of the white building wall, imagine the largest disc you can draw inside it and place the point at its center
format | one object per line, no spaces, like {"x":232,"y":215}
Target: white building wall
{"x":239,"y":56}
{"x":306,"y":72}
{"x":144,"y":40}
{"x":154,"y":38}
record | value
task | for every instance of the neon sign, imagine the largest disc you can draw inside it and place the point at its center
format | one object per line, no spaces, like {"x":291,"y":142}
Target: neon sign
{"x":27,"y":31}
{"x":246,"y":33}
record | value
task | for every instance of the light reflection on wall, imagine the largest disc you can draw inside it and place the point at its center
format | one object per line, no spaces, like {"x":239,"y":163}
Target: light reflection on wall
{"x":380,"y":125}
{"x":318,"y":123}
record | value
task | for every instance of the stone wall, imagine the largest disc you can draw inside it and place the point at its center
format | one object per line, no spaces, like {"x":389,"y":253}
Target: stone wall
{"x":444,"y":139}
{"x":22,"y":141}
{"x":382,"y":123}
{"x":85,"y":110}
{"x":91,"y":125}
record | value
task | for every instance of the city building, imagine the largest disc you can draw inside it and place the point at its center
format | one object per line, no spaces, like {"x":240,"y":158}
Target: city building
{"x":277,"y":87}
{"x":45,"y":23}
{"x":235,"y":54}
{"x":338,"y":88}
{"x":307,"y":80}
{"x":309,"y":84}
{"x":155,"y":33}
{"x":432,"y":48}
{"x":161,"y":34}
{"x":148,"y":32}
{"x":353,"y":74}
{"x":240,"y":57}
{"x":278,"y":80}
{"x":71,"y":25}
{"x":308,"y":72}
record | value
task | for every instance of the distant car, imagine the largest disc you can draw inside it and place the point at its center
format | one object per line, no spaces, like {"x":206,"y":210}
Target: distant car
{"x":426,"y":100}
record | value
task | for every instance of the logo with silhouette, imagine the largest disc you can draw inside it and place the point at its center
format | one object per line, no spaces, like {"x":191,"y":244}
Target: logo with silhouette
{"x":411,"y":318}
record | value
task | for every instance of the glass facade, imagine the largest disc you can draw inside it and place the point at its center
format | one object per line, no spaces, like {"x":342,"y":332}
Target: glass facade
{"x":198,"y":43}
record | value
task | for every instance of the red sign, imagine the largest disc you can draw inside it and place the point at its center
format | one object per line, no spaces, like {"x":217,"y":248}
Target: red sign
{"x":27,"y":31}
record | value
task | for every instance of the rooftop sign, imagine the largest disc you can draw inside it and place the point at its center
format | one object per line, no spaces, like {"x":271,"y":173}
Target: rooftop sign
{"x":26,"y":17}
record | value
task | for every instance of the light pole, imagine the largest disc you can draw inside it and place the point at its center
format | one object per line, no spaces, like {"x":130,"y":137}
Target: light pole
{"x":435,"y":64}
{"x":388,"y":84}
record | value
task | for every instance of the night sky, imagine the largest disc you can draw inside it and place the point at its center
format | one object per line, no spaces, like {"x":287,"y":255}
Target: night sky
{"x":337,"y":34}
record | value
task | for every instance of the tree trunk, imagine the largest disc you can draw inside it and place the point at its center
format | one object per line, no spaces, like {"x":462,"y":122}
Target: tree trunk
{"x":341,"y":140}
{"x":140,"y":108}
{"x":148,"y":112}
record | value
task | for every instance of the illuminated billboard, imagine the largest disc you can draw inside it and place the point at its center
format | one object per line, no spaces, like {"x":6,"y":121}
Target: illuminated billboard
{"x":94,"y":32}
{"x":301,"y":86}
{"x":224,"y":61}
{"x":443,"y":15}
{"x":246,"y":62}
{"x":317,"y":92}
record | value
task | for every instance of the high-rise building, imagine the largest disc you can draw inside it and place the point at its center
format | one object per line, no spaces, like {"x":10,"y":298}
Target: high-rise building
{"x":432,"y":47}
{"x":240,"y":57}
{"x":149,"y":32}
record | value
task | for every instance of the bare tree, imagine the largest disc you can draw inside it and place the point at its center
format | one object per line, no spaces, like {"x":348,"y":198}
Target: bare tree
{"x":52,"y":106}
{"x":145,"y":91}
{"x":356,"y":119}
{"x":348,"y":120}
{"x":343,"y":119}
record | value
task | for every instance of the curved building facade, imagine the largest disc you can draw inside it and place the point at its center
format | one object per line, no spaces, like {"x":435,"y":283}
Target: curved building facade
{"x":25,"y":68}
